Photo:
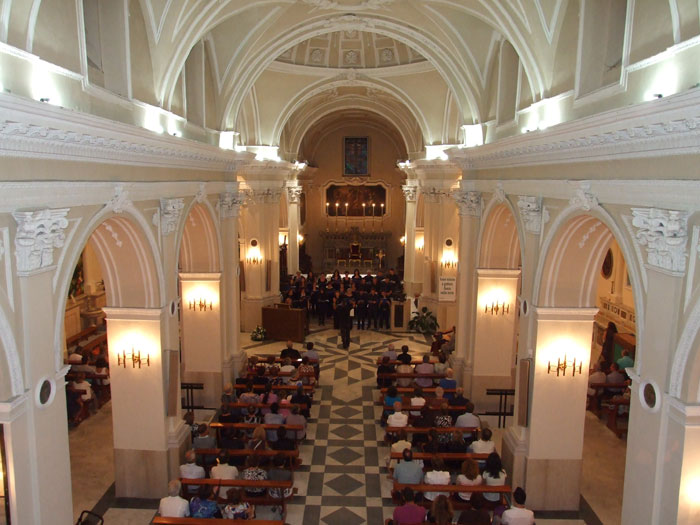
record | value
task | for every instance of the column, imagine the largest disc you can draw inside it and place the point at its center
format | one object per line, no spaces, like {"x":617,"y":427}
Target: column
{"x":410,"y":192}
{"x":202,"y":353}
{"x":494,"y":334}
{"x":557,"y":408}
{"x":168,"y":219}
{"x":261,"y":256}
{"x":229,"y":208}
{"x":469,"y":205}
{"x":137,"y":371}
{"x":294,"y":191}
{"x":663,"y":235}
{"x":39,"y":451}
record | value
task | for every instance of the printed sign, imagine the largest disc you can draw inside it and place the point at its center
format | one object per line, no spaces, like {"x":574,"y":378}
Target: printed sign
{"x":448,"y":288}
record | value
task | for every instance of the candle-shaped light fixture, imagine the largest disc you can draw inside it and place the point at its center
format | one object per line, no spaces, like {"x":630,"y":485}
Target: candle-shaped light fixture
{"x":346,"y":215}
{"x":382,"y":217}
{"x":337,"y":204}
{"x":327,"y":217}
{"x":364,"y":209}
{"x":373,"y":208}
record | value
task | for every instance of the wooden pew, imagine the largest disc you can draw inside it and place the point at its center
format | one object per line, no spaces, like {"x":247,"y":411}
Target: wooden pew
{"x":594,"y":400}
{"x":291,"y":455}
{"x":457,"y":502}
{"x":291,"y":429}
{"x":613,"y":415}
{"x":225,"y":484}
{"x":262,"y":359}
{"x":410,"y":389}
{"x":102,"y":392}
{"x":425,"y":430}
{"x":159,"y":520}
{"x":414,"y":362}
{"x":447,"y":456}
{"x":309,"y":389}
{"x":264,"y":405}
{"x":76,"y":338}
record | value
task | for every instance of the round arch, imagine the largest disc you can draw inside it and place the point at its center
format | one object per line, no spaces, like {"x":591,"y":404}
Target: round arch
{"x":500,"y":244}
{"x":577,"y":242}
{"x":685,"y":370}
{"x":199,"y":242}
{"x":122,"y":242}
{"x":13,"y":364}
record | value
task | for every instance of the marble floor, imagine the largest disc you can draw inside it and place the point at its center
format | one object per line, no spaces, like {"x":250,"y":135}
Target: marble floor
{"x":343,"y":476}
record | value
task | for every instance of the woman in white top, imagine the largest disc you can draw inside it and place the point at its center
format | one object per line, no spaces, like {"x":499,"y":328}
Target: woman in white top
{"x":470,"y":476}
{"x":494,"y":475}
{"x":417,"y":401}
{"x":437,"y":475}
{"x":483,"y":445}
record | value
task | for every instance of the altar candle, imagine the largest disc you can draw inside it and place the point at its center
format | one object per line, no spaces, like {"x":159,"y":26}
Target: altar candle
{"x":336,"y":215}
{"x":382,"y":217}
{"x":364,"y":209}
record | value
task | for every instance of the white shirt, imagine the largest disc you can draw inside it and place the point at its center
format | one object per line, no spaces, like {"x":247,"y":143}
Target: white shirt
{"x":224,"y":471}
{"x":417,"y":402}
{"x":174,"y":507}
{"x":483,"y":447}
{"x":436,"y":477}
{"x":287,"y":368}
{"x":85,"y":387}
{"x":464,"y":480}
{"x":500,"y":480}
{"x":467,"y":420}
{"x":595,"y":377}
{"x":399,"y":446}
{"x":518,"y":516}
{"x":397,"y":419}
{"x":191,"y":471}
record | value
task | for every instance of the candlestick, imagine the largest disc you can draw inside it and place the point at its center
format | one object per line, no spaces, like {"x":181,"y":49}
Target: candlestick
{"x":373,"y":208}
{"x":327,"y":218}
{"x":382,"y":218}
{"x":346,"y":216}
{"x":336,"y":215}
{"x":363,"y":216}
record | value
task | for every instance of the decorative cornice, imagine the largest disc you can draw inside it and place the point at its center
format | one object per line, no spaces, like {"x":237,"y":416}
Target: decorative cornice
{"x":38,"y":233}
{"x":665,"y":235}
{"x":264,"y":196}
{"x":30,"y":129}
{"x":532,"y":213}
{"x":230,"y":203}
{"x":670,"y":126}
{"x":468,"y":202}
{"x":170,"y":212}
{"x":433,"y":194}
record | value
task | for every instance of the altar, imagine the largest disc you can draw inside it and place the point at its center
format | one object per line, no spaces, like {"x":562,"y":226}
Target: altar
{"x":354,"y":249}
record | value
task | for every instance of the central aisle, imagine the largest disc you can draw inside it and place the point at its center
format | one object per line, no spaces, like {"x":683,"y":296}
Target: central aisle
{"x":342,"y":479}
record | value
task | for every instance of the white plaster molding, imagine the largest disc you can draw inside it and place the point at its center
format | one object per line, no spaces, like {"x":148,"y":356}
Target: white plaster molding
{"x":120,"y":200}
{"x":294,"y":191}
{"x":468,"y":202}
{"x":334,"y":5}
{"x":38,"y":233}
{"x":665,"y":235}
{"x":201,"y":194}
{"x":410,"y":192}
{"x":583,"y":198}
{"x":669,"y":126}
{"x":433,"y":194}
{"x":170,"y":212}
{"x":532,"y":213}
{"x":230,"y":203}
{"x":499,"y":193}
{"x":30,"y":129}
{"x":264,"y":196}
{"x":10,"y":410}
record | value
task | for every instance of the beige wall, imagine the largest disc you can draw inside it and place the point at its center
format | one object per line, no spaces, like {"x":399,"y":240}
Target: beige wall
{"x":327,"y":155}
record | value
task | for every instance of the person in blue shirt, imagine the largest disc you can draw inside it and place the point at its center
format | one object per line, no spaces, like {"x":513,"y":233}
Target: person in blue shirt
{"x":625,"y":361}
{"x":448,"y":383}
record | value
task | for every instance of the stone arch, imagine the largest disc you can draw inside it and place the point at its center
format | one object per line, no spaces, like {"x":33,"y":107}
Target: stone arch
{"x":500,"y":245}
{"x":576,"y":243}
{"x":685,"y":369}
{"x":11,"y":363}
{"x":121,"y":242}
{"x":199,"y":246}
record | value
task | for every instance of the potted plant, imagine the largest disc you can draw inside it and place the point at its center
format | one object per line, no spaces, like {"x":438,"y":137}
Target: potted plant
{"x":424,"y":322}
{"x":258,"y":334}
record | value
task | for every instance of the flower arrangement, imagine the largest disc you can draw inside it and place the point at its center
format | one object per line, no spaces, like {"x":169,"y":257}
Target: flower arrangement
{"x":258,"y":334}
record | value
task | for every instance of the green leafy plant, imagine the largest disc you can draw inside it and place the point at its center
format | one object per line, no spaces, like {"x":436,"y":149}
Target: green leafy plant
{"x":424,"y":322}
{"x":258,"y":334}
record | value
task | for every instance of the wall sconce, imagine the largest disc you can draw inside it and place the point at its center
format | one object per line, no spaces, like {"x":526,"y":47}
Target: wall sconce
{"x":494,"y":308}
{"x":420,"y":244}
{"x":402,"y":240}
{"x":201,"y":303}
{"x":448,"y":263}
{"x":134,"y":357}
{"x":253,"y":256}
{"x":300,"y":238}
{"x":562,"y":365}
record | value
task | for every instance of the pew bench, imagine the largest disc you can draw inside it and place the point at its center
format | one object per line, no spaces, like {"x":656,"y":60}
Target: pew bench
{"x":425,"y":430}
{"x":83,"y":334}
{"x":593,"y":401}
{"x":613,"y":414}
{"x":457,"y":502}
{"x":291,"y":455}
{"x":261,"y":388}
{"x":159,"y":520}
{"x":225,"y":484}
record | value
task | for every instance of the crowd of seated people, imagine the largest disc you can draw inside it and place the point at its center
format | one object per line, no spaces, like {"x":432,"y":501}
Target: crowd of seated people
{"x":87,"y":382}
{"x":372,"y":296}
{"x":266,"y":453}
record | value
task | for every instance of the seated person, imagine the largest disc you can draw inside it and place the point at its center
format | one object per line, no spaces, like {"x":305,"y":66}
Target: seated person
{"x":458,"y":399}
{"x":417,"y":401}
{"x":443,"y":420}
{"x":300,"y":398}
{"x":253,"y":472}
{"x":83,"y":366}
{"x":483,"y":445}
{"x":203,"y":439}
{"x":404,"y":357}
{"x":597,"y":376}
{"x":408,"y":512}
{"x":87,"y":396}
{"x":282,"y":442}
{"x":391,"y":397}
{"x":517,"y":514}
{"x":441,"y":366}
{"x":468,"y":420}
{"x":257,"y":440}
{"x":469,"y":477}
{"x":102,"y":368}
{"x":615,"y":376}
{"x":314,"y":358}
{"x":437,"y":475}
{"x":260,"y":378}
{"x":390,"y":352}
{"x":290,"y":352}
{"x":173,"y":506}
{"x":236,"y":509}
{"x":296,"y":418}
{"x":426,"y":367}
{"x":75,"y":357}
{"x":625,"y":361}
{"x":493,"y":475}
{"x":404,"y":368}
{"x":385,"y":368}
{"x":441,"y":511}
{"x":305,"y":373}
{"x":278,"y":472}
{"x":398,"y":418}
{"x":273,"y":418}
{"x":249,"y":397}
{"x":287,"y":368}
{"x":448,"y":383}
{"x":190,"y":469}
{"x":203,"y":505}
{"x":408,"y":471}
{"x":224,"y":468}
{"x":477,"y":515}
{"x":399,"y":445}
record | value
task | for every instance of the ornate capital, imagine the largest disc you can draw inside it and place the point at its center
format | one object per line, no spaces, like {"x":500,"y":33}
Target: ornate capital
{"x":120,"y":200}
{"x":583,"y":198}
{"x":469,"y":202}
{"x":230,"y":204}
{"x":266,"y":196}
{"x":170,"y":211}
{"x":410,"y":192}
{"x":294,"y":192}
{"x":665,"y":235}
{"x":38,"y":233}
{"x":498,"y":193}
{"x":201,"y":192}
{"x":533,"y":214}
